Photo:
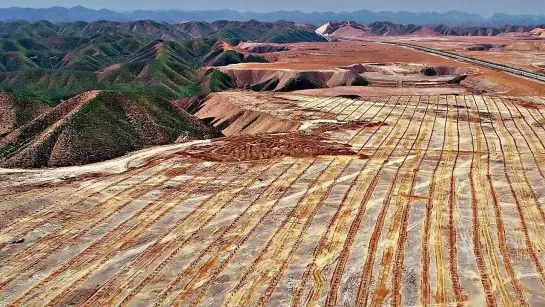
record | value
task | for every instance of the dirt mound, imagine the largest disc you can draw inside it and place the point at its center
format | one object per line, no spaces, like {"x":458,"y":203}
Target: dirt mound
{"x":96,"y":126}
{"x":262,"y":48}
{"x":233,"y":116}
{"x":538,"y":32}
{"x":269,"y":146}
{"x":480,"y":85}
{"x":410,"y":74}
{"x":17,"y":111}
{"x":540,"y":66}
{"x":344,"y":29}
{"x":283,"y":80}
{"x":486,"y":47}
{"x":410,"y":69}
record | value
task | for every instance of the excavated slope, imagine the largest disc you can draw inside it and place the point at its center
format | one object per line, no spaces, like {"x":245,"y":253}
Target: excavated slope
{"x":283,"y":80}
{"x":232,"y":116}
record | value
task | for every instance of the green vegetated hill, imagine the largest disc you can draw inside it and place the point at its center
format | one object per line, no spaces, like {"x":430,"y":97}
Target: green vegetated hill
{"x":96,"y":126}
{"x":80,"y":93}
{"x":49,"y":62}
{"x":17,"y":111}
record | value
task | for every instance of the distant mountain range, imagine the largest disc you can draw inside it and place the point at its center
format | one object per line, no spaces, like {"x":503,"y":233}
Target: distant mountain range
{"x":451,"y":18}
{"x":348,"y":29}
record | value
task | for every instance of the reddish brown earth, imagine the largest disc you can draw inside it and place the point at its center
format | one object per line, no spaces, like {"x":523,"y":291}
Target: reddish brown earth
{"x":107,"y":71}
{"x":320,"y":56}
{"x":229,"y":113}
{"x":440,"y":207}
{"x":269,"y":146}
{"x":262,"y":47}
{"x":516,"y":51}
{"x":379,"y":91}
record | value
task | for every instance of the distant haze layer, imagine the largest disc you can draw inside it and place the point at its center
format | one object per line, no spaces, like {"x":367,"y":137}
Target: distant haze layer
{"x":487,"y":7}
{"x":176,"y":16}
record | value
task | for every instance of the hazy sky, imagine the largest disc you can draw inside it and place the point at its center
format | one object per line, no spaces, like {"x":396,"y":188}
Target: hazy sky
{"x":486,"y":7}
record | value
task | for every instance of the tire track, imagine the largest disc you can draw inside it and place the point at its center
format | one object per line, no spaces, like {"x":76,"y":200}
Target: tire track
{"x":331,"y":299}
{"x":363,"y":289}
{"x":453,"y":252}
{"x":189,"y":225}
{"x":362,"y":102}
{"x":402,"y":240}
{"x":159,"y":208}
{"x":477,"y":230}
{"x":317,"y":272}
{"x":294,"y":226}
{"x":520,"y":208}
{"x":233,"y":245}
{"x":400,"y":215}
{"x":327,"y":246}
{"x":480,"y":190}
{"x":43,"y":248}
{"x":425,"y":278}
{"x":214,"y":240}
{"x":129,"y":230}
{"x":441,"y":197}
{"x":531,"y":148}
{"x":43,"y":215}
{"x":527,"y":193}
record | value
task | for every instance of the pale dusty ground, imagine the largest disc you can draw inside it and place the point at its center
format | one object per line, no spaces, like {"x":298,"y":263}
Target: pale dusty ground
{"x":378,"y":91}
{"x":518,"y":52}
{"x":443,"y":204}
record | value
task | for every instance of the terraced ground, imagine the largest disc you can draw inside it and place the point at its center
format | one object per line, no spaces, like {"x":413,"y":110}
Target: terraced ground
{"x":436,"y":200}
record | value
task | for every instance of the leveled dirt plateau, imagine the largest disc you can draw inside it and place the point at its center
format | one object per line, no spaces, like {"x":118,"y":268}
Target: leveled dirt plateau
{"x":262,"y":47}
{"x":252,"y":113}
{"x":430,"y":79}
{"x":323,"y":56}
{"x":518,"y":52}
{"x":285,"y":80}
{"x":362,"y":91}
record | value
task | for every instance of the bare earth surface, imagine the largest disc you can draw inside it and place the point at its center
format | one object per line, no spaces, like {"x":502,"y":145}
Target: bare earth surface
{"x":322,"y":56}
{"x":384,"y":200}
{"x":519,"y":52}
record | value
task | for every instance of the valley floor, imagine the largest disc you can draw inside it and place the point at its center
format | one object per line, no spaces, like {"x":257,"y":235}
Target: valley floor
{"x":410,"y":200}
